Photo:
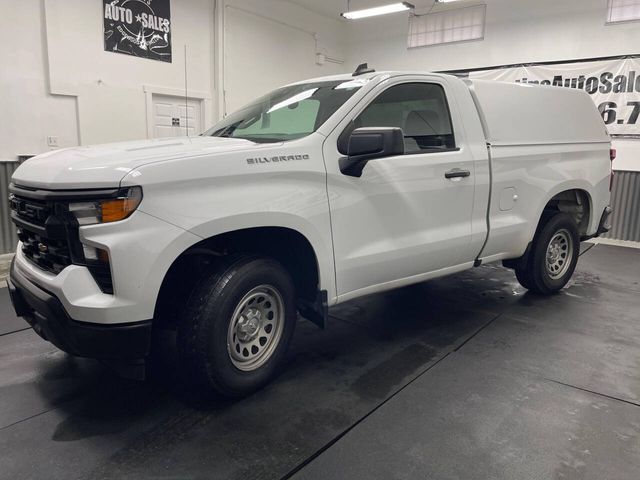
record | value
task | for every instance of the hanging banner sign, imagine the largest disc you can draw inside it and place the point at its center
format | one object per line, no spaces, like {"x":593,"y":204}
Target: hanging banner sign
{"x":141,"y":28}
{"x":614,"y":86}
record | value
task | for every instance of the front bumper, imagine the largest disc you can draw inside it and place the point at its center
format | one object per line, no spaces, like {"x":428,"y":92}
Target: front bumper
{"x":49,"y":319}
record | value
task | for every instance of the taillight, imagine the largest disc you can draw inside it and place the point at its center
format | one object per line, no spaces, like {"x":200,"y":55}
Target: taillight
{"x":612,"y":157}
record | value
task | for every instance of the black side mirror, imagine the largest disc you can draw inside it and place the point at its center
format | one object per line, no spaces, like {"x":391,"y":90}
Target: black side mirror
{"x":366,"y":144}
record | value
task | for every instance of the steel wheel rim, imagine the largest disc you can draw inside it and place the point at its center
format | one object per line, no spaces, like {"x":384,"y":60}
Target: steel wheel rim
{"x":559,"y":254}
{"x":256,"y":328}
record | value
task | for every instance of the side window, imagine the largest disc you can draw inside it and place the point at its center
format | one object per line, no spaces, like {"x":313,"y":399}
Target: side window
{"x":420,"y":109}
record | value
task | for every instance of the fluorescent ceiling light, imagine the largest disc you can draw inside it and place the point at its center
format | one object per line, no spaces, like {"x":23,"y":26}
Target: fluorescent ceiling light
{"x":383,"y":10}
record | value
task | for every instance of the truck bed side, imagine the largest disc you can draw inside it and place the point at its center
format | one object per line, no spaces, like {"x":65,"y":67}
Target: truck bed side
{"x":543,"y":141}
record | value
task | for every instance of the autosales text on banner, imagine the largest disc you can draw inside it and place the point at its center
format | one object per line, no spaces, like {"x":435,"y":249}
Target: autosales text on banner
{"x":614,"y":86}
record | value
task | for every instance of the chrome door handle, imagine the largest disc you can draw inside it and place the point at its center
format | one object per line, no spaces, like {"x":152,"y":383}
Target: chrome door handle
{"x":457,"y":173}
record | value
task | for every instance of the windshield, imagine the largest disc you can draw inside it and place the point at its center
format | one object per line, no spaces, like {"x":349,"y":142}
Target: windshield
{"x":287,"y":113}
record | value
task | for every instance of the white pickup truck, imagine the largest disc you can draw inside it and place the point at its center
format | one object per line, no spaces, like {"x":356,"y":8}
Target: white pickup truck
{"x":317,"y":193}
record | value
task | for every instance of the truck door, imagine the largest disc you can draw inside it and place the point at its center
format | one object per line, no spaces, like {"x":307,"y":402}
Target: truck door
{"x":407,"y":215}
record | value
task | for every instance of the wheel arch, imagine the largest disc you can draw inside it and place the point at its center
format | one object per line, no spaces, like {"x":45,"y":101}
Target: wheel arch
{"x":574,"y":200}
{"x":292,"y":248}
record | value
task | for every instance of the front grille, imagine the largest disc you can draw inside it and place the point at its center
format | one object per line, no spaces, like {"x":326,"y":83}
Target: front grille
{"x":42,"y":233}
{"x":50,"y":233}
{"x":30,"y":210}
{"x":48,"y":254}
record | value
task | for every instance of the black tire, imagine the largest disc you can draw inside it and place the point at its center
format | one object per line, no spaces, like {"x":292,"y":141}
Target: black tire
{"x":204,"y":352}
{"x":523,"y":278}
{"x":539,"y":276}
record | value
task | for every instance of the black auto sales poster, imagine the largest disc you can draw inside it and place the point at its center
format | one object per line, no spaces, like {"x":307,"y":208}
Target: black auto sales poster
{"x":141,"y":28}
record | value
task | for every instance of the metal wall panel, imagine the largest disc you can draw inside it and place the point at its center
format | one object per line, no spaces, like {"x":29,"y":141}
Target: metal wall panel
{"x":8,"y":237}
{"x":625,"y":201}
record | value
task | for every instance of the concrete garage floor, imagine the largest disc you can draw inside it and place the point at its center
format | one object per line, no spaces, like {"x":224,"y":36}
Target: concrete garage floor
{"x":463,"y":377}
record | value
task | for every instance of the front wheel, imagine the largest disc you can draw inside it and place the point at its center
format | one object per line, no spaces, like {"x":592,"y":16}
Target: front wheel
{"x":237,"y":325}
{"x":554,"y":255}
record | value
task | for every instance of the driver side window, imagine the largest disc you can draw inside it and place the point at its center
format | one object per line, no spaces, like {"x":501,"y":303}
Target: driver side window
{"x":419,"y":109}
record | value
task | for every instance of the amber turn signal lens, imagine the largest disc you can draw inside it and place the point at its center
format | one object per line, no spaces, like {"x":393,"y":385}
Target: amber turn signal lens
{"x":118,"y":209}
{"x":109,"y":209}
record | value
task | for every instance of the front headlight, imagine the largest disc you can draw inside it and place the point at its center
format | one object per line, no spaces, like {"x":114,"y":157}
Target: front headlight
{"x":107,"y":210}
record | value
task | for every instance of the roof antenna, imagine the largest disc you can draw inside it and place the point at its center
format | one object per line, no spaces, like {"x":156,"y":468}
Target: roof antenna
{"x":362,"y":69}
{"x":186,"y":92}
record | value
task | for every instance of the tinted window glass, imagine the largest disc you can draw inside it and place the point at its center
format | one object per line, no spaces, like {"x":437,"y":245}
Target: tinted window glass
{"x":298,"y":120}
{"x":287,"y":113}
{"x":420,"y":109}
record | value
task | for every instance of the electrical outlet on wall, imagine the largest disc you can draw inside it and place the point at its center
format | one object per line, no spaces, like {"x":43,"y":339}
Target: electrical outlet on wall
{"x":52,"y":141}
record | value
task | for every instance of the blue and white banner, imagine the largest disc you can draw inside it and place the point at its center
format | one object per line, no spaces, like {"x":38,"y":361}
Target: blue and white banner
{"x":614,"y":86}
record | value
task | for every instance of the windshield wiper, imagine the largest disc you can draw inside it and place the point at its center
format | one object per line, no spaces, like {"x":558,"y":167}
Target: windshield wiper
{"x":259,"y":139}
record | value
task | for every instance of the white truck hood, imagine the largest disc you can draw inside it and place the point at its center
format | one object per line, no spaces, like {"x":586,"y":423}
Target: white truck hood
{"x":104,"y":166}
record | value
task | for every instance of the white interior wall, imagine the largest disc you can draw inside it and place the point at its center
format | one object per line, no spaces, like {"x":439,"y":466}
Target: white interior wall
{"x":110,"y":87}
{"x":627,"y":154}
{"x":281,"y":43}
{"x":62,"y":83}
{"x":29,"y":112}
{"x":57,"y":80}
{"x":517,"y":31}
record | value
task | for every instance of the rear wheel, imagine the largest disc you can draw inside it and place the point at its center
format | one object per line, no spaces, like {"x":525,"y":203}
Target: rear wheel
{"x":554,"y":255}
{"x":237,"y":325}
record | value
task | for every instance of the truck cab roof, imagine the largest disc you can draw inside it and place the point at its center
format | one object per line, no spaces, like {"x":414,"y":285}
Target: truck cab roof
{"x":369,"y":76}
{"x":512,"y":113}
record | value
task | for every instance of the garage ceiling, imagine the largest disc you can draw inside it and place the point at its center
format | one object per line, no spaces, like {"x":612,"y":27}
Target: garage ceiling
{"x":333,"y":8}
{"x":507,"y":8}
